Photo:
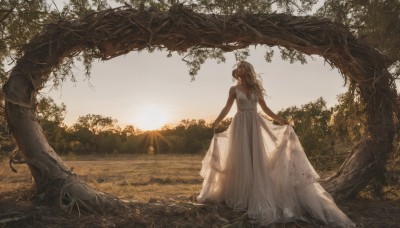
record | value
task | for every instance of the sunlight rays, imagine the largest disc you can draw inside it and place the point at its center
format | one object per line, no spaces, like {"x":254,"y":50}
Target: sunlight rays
{"x":152,"y":142}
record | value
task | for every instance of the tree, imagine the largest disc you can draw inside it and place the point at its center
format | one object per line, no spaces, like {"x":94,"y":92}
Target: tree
{"x":189,"y":136}
{"x":7,"y":143}
{"x":96,"y":123}
{"x":20,"y":20}
{"x":182,"y":29}
{"x":51,"y":117}
{"x":196,"y":135}
{"x":376,"y":22}
{"x":95,"y":131}
{"x":348,"y":118}
{"x":16,"y":30}
{"x":129,"y":130}
{"x":108,"y":141}
{"x":311,"y":123}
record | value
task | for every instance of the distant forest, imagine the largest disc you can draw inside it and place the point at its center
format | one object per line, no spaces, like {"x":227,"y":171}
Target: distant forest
{"x":324,"y":132}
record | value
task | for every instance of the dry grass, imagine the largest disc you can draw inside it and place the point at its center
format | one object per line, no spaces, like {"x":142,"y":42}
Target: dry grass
{"x":128,"y":177}
{"x":143,"y":177}
{"x":160,"y":192}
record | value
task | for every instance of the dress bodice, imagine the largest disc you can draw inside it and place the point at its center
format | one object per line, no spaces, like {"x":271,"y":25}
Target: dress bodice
{"x":244,"y":102}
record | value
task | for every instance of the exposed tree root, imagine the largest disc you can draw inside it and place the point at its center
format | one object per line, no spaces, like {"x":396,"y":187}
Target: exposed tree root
{"x":77,"y":194}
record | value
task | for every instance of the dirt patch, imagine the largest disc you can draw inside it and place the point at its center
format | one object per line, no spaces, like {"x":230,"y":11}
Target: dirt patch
{"x":18,"y":210}
{"x":171,"y":181}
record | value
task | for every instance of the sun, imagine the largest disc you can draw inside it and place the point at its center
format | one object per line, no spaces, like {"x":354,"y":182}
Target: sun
{"x":150,"y":117}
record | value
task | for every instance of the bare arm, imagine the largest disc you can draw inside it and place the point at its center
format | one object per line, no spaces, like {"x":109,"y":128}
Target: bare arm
{"x":270,"y":113}
{"x":227,"y":107}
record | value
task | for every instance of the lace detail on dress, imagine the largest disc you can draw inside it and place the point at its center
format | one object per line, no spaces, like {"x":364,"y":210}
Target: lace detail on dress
{"x":245,"y":103}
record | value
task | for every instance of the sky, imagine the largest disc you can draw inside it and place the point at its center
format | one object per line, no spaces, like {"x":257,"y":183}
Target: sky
{"x":150,"y":87}
{"x":149,"y":90}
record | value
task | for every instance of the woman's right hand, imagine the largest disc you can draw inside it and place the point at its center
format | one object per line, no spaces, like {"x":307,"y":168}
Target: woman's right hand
{"x":215,"y":124}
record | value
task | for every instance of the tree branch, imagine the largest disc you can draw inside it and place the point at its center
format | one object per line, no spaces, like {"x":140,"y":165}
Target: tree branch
{"x":8,"y":12}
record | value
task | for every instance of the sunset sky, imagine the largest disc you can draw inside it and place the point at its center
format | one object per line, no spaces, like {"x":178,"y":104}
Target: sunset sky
{"x":141,"y":86}
{"x":145,"y":89}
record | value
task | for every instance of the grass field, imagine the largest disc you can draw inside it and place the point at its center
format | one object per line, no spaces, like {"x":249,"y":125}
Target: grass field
{"x":128,"y":177}
{"x":163,"y":188}
{"x":143,"y":177}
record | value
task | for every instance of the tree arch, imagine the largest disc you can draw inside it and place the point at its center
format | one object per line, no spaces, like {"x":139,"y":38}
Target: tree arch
{"x":116,"y":32}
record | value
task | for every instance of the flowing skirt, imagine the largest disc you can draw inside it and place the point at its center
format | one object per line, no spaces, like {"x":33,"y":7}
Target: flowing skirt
{"x":261,"y":168}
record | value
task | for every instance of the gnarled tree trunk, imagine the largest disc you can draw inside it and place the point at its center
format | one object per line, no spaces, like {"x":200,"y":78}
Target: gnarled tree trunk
{"x":55,"y":183}
{"x":115,"y":32}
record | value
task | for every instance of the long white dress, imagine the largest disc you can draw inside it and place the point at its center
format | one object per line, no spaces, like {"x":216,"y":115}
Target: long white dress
{"x":259,"y":167}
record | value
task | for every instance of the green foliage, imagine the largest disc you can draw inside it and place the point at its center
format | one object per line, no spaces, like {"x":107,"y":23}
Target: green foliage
{"x":348,"y":118}
{"x":7,"y":143}
{"x":197,"y":56}
{"x":90,"y":135}
{"x":311,"y":123}
{"x":96,"y":124}
{"x":20,"y":20}
{"x":327,"y":134}
{"x":189,"y":136}
{"x":48,"y":110}
{"x":130,"y":145}
{"x":51,"y":117}
{"x":291,"y":55}
{"x":108,"y":142}
{"x":375,"y":21}
{"x":97,"y":133}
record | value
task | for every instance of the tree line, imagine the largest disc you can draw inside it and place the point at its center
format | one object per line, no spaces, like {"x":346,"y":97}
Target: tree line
{"x":319,"y":128}
{"x":323,"y":131}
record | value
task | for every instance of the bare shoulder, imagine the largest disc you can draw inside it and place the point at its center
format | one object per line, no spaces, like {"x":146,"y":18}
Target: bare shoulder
{"x":232,"y":90}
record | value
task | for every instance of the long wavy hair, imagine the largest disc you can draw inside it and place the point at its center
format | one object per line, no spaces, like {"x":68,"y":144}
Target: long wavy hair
{"x":251,"y":79}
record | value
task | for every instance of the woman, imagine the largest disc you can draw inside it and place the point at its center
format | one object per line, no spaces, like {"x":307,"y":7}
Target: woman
{"x":259,"y":167}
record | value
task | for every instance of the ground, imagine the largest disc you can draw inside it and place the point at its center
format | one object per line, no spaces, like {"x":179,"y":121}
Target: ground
{"x":159,"y":191}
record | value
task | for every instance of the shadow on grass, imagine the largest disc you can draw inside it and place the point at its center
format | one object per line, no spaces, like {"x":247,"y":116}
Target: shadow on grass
{"x":17,"y":210}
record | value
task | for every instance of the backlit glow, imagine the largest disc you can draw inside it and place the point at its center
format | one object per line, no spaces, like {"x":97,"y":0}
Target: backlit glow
{"x":150,"y":117}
